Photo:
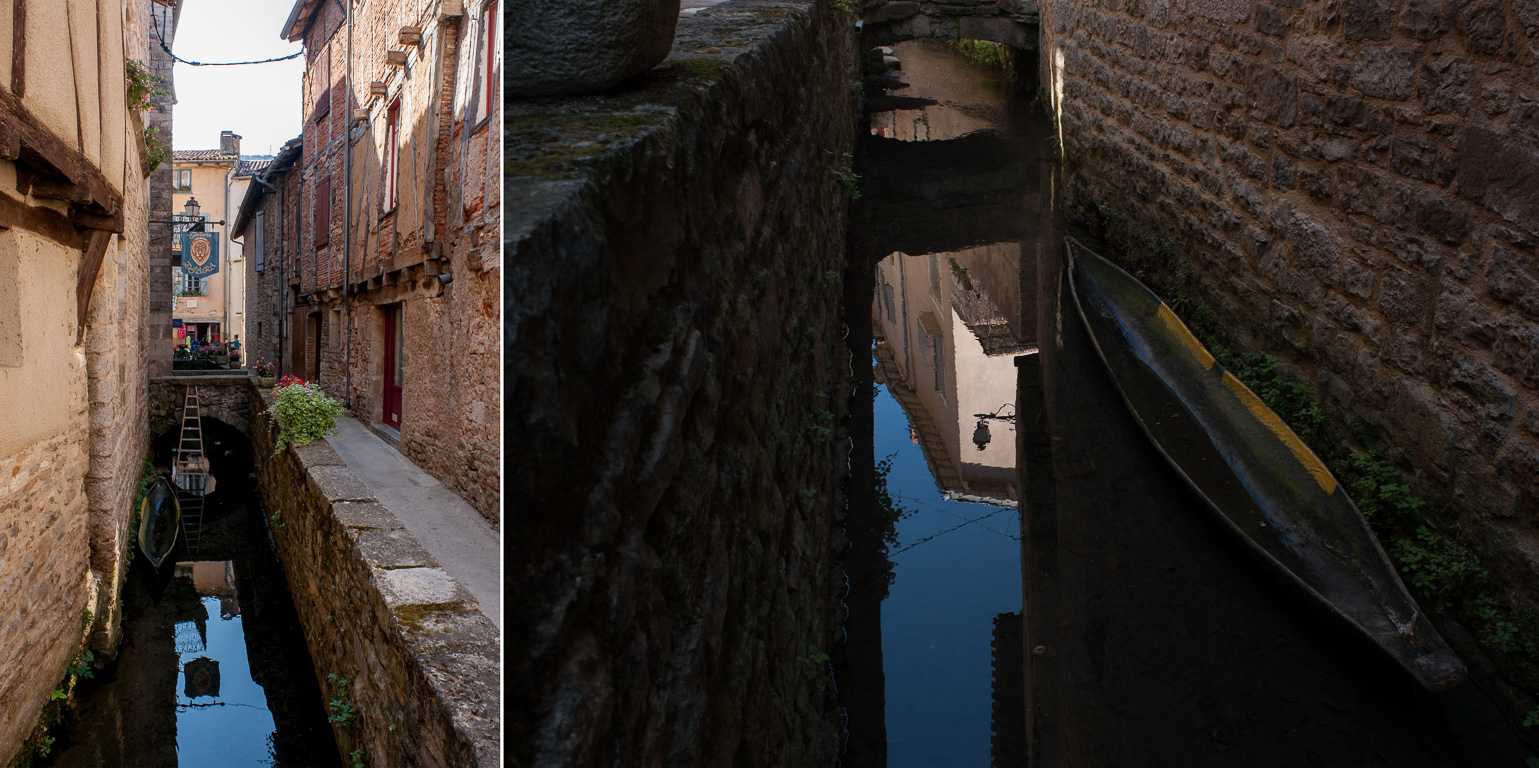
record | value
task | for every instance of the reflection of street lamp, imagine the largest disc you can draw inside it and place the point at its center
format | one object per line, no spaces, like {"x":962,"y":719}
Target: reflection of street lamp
{"x":981,"y":433}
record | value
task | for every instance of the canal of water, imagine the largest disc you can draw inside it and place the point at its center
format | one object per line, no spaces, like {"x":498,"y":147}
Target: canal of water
{"x":1155,"y":639}
{"x":213,"y":669}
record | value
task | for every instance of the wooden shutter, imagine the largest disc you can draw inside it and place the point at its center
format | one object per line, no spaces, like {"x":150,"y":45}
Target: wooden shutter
{"x":256,"y":238}
{"x":322,"y":211}
{"x":323,"y":83}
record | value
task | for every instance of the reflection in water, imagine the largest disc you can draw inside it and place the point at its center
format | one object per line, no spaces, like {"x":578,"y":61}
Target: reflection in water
{"x":213,"y":670}
{"x":1106,"y":620}
{"x":933,"y":673}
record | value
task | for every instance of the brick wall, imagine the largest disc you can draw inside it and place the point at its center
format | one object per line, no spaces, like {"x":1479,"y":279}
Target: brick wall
{"x":1354,"y":184}
{"x":451,"y":406}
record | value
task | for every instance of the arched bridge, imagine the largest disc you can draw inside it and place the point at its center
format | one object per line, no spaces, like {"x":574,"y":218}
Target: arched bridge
{"x":1012,"y":22}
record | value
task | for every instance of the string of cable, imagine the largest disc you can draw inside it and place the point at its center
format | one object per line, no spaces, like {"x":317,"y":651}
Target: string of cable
{"x":162,"y":40}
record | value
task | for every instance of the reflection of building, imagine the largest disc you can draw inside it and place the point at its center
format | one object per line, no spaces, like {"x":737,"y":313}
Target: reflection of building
{"x":393,"y":293}
{"x":949,"y":327}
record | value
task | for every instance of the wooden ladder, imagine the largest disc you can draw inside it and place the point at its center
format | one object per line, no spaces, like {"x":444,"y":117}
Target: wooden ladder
{"x":191,"y":471}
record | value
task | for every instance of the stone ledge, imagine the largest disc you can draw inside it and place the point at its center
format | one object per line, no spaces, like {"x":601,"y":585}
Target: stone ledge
{"x":454,"y":649}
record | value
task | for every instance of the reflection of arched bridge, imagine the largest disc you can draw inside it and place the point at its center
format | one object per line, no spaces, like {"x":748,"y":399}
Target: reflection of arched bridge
{"x":1012,"y":22}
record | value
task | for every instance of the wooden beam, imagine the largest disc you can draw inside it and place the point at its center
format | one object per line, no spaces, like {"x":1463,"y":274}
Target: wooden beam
{"x":49,"y":155}
{"x":90,"y":266}
{"x":19,"y":48}
{"x":41,"y":221}
{"x":83,"y":220}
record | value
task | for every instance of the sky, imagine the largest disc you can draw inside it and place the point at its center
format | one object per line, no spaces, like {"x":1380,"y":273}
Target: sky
{"x":261,"y":102}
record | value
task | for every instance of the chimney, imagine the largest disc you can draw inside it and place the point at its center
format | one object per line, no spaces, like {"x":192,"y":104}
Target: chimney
{"x":229,"y":141}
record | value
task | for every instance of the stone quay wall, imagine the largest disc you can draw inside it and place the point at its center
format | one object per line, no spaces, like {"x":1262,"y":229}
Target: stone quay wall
{"x":1356,"y":185}
{"x":675,"y":374}
{"x":408,"y":645}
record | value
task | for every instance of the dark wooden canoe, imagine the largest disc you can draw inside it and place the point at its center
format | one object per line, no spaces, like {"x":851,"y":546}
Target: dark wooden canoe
{"x":160,"y":518}
{"x":1249,"y":467}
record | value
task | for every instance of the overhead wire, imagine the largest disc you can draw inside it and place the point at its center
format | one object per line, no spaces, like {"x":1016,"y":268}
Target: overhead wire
{"x":161,"y":38}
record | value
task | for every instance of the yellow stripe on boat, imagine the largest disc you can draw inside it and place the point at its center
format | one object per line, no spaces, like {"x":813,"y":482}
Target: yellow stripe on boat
{"x":1275,"y":423}
{"x":1179,"y":330}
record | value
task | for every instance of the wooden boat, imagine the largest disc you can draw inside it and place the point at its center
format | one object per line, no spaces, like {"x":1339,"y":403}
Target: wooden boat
{"x":1249,"y":467}
{"x":160,"y":518}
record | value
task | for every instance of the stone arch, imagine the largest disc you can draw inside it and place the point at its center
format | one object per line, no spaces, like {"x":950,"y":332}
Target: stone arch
{"x":1001,"y":22}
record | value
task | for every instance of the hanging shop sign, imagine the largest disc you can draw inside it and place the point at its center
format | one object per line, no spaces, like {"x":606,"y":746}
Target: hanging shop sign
{"x":200,"y":253}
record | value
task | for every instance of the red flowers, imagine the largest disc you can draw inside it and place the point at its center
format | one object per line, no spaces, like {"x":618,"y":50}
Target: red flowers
{"x":290,"y":379}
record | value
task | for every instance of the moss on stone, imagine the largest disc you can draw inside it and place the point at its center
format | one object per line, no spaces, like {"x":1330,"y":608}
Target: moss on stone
{"x":411,"y":616}
{"x":556,"y":143}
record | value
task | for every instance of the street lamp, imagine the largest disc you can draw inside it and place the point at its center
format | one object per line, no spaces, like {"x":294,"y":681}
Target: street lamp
{"x":191,"y":208}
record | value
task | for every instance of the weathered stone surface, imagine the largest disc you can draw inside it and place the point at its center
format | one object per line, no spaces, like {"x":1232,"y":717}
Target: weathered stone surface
{"x":661,"y":394}
{"x":392,"y":548}
{"x":366,"y":514}
{"x":584,"y":46}
{"x":1405,"y":280}
{"x":1511,"y":277}
{"x":1499,"y":171}
{"x":336,"y":483}
{"x":420,"y":657}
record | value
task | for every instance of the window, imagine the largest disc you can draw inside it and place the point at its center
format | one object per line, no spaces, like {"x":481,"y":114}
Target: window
{"x":489,"y":57}
{"x":322,"y":211}
{"x":187,"y":285}
{"x":183,"y":179}
{"x":336,"y":329}
{"x":392,"y":152}
{"x":322,"y":84}
{"x":256,"y":241}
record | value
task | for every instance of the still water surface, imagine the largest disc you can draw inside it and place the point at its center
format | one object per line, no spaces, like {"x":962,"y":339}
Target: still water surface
{"x":1113,"y":622}
{"x":213,"y":669}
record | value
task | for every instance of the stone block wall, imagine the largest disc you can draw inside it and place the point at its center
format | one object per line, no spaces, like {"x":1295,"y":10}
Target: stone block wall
{"x":675,"y":374}
{"x":419,"y":660}
{"x":44,"y":559}
{"x":228,"y":398}
{"x":1356,"y":184}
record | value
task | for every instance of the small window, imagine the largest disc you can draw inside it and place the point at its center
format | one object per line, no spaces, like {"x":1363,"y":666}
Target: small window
{"x":489,"y":57}
{"x":183,"y":179}
{"x":392,"y":152}
{"x":256,"y":242}
{"x":322,"y":211}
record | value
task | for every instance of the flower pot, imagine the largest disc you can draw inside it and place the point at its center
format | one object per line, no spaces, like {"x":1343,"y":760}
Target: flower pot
{"x":266,"y":381}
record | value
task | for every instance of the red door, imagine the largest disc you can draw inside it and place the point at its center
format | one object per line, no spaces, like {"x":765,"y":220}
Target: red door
{"x":392,"y":372}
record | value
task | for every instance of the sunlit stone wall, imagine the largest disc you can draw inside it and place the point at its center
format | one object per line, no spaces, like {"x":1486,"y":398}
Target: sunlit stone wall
{"x":674,"y":373}
{"x":407,"y":643}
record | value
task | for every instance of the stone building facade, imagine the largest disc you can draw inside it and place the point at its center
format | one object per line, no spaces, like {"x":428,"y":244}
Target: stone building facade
{"x":74,"y":295}
{"x":215,"y":305}
{"x":1355,"y":186}
{"x":397,"y":298}
{"x":267,"y":229}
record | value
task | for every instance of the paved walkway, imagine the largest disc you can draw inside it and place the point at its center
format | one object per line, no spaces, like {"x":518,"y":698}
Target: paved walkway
{"x":465,"y":545}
